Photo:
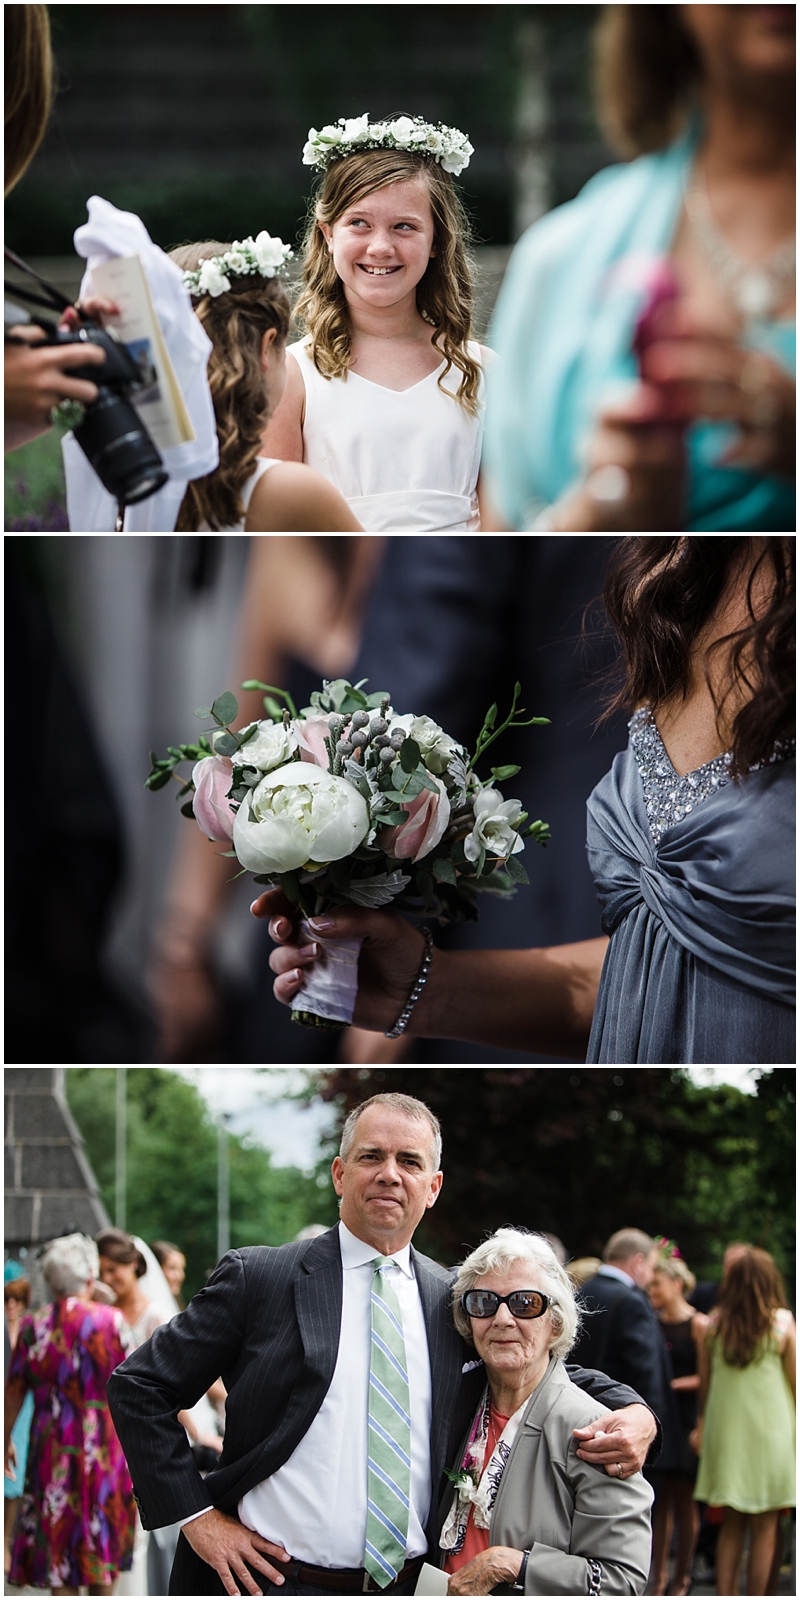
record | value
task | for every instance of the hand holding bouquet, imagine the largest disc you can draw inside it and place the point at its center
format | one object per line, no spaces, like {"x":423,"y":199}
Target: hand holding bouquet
{"x":348,"y":803}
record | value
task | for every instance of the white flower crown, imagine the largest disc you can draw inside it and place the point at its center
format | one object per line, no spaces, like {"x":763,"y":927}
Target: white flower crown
{"x":263,"y":257}
{"x":449,"y":147}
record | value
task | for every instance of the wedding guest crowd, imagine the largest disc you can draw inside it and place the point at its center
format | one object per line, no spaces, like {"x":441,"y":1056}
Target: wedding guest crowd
{"x":16,"y":1299}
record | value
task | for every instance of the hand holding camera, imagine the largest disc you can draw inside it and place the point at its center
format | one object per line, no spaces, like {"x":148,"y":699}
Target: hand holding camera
{"x":39,"y":374}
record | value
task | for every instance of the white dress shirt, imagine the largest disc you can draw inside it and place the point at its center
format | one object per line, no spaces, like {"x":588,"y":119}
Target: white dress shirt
{"x":315,"y":1505}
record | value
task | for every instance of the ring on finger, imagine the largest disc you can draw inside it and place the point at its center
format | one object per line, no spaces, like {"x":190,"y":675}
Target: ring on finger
{"x":610,"y":484}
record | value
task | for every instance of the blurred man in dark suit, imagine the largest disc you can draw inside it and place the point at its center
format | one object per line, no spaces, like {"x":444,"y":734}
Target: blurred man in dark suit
{"x":620,"y":1334}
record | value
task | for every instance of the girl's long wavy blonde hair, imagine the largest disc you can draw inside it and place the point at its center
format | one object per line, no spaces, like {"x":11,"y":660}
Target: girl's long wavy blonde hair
{"x":444,"y":293}
{"x":235,"y":322}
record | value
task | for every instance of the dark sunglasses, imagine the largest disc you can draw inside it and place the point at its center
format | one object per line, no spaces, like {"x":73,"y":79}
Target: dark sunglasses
{"x":524,"y":1303}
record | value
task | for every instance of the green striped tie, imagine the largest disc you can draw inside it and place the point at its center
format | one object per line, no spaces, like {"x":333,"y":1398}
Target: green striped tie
{"x":389,"y":1447}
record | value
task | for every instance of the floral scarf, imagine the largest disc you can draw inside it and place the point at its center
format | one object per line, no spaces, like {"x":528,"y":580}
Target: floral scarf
{"x":472,"y":1489}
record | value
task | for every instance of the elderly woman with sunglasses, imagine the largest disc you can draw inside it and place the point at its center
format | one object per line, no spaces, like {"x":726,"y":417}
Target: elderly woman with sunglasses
{"x":525,"y":1514}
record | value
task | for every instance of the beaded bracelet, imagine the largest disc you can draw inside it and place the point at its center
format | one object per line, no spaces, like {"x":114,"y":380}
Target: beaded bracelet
{"x":402,"y":1021}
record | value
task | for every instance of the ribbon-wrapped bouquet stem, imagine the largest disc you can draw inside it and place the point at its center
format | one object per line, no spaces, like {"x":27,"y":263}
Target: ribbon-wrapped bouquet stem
{"x":349,"y":803}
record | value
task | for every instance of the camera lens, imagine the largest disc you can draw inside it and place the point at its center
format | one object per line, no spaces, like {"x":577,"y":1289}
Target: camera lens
{"x":120,"y":449}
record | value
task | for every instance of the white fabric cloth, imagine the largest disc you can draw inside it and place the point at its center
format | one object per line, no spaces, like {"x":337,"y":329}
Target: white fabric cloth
{"x":607,"y":1271}
{"x":263,"y":465}
{"x":316,"y":1504}
{"x":90,"y":509}
{"x":406,"y":461}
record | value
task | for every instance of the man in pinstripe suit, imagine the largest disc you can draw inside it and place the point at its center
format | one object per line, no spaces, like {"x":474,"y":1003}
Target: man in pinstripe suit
{"x":289,"y":1330}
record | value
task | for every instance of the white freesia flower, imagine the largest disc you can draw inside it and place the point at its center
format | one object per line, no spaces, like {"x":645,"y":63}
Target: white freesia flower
{"x":494,"y":829}
{"x":271,"y":747}
{"x":436,"y":747}
{"x":212,"y":280}
{"x":300,"y":814}
{"x":356,"y":129}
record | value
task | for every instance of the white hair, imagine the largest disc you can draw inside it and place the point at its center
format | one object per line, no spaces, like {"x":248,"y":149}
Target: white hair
{"x":68,"y":1263}
{"x":504,"y":1249}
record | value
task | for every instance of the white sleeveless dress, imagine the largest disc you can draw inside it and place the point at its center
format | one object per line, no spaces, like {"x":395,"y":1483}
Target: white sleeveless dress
{"x":263,"y":463}
{"x":407,"y":461}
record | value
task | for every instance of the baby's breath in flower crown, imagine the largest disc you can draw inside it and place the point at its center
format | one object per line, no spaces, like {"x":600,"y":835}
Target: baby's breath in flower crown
{"x":262,"y":257}
{"x":449,"y":147}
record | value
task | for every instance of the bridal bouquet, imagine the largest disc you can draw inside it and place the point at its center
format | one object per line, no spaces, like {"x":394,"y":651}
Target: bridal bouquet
{"x":348,"y":803}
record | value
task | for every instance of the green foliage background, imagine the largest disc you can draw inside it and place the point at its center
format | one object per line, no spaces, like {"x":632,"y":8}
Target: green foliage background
{"x":581,"y":1153}
{"x":172,"y":1169}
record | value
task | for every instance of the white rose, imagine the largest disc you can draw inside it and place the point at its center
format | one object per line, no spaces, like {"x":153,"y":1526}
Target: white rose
{"x":212,"y":281}
{"x":269,"y":253}
{"x":271,"y":747}
{"x":494,"y":829}
{"x":401,"y":129}
{"x":300,"y":814}
{"x":356,"y":129}
{"x":436,"y":747}
{"x":331,"y":134}
{"x":434,"y":141}
{"x":236,"y":262}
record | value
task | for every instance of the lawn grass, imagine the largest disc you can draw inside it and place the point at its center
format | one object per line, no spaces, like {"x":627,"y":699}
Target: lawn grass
{"x":35,"y":491}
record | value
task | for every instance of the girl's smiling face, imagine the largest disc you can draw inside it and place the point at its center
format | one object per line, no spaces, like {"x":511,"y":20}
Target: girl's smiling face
{"x":381,"y":246}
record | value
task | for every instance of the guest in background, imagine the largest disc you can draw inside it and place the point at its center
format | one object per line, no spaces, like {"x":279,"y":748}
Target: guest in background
{"x":703,"y":97}
{"x":582,"y":1269}
{"x":619,"y":1333}
{"x":745,"y":1435}
{"x":675,"y":1508}
{"x":17,"y":1299}
{"x":172,"y":1262}
{"x":76,"y":1521}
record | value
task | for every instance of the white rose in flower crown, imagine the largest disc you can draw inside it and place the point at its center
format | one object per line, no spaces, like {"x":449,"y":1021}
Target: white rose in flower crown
{"x":300,"y":814}
{"x":436,"y":747}
{"x":235,"y":261}
{"x":494,"y":829}
{"x":356,"y":129}
{"x":271,"y":747}
{"x":331,"y":134}
{"x":212,"y":280}
{"x":457,"y":158}
{"x":269,"y":253}
{"x":434,"y":141}
{"x":401,"y":129}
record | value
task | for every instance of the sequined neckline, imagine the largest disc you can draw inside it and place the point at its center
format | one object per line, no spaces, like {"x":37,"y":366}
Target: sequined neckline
{"x":669,"y":798}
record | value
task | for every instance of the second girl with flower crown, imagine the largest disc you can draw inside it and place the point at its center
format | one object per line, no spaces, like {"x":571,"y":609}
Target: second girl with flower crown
{"x":384,"y":393}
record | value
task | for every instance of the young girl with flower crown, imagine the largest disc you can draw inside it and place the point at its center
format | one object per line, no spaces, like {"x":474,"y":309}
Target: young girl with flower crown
{"x":246,"y":314}
{"x":384,"y":393}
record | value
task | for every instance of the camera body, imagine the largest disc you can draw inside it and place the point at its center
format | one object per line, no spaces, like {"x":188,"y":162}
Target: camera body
{"x":111,"y":434}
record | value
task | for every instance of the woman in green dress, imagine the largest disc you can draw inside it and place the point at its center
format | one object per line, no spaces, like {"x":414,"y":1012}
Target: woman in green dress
{"x":746,"y":1427}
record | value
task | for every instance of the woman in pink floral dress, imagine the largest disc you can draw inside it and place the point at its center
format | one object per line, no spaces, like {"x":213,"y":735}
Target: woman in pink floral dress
{"x":76,"y":1518}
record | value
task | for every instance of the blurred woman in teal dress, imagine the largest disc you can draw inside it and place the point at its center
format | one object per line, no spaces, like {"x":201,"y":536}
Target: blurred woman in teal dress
{"x":702,"y":436}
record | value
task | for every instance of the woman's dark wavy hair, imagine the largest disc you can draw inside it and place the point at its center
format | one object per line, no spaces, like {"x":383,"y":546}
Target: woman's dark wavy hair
{"x":751,"y":1292}
{"x":116,"y":1245}
{"x":660,"y":594}
{"x":647,"y":75}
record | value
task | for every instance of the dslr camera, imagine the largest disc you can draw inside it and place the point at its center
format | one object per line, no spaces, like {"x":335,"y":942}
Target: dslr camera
{"x":110,"y":434}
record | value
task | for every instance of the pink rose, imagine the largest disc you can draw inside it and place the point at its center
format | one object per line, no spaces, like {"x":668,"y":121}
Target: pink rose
{"x":311,"y":736}
{"x":212,"y":780}
{"x":428,"y":816}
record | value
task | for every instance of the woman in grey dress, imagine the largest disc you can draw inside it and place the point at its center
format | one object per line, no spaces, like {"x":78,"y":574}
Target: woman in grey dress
{"x":690,"y":839}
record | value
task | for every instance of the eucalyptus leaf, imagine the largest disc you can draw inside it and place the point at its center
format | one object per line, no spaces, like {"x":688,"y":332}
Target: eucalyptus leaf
{"x":377,"y":891}
{"x":225,"y":708}
{"x":225,"y":745}
{"x":414,"y":785}
{"x":444,"y":871}
{"x":250,"y":733}
{"x":515,"y":870}
{"x":157,"y":780}
{"x":187,"y":810}
{"x":409,"y":755}
{"x":373,"y":700}
{"x":203,"y":711}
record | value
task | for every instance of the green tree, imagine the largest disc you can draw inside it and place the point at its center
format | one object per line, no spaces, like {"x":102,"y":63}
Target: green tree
{"x":172,"y":1168}
{"x":580,"y":1153}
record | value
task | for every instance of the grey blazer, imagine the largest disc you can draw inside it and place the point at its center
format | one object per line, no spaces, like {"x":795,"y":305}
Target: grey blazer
{"x":572,"y":1516}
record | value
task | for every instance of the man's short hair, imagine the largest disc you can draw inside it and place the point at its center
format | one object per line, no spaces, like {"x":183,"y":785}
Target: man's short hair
{"x":395,"y":1102}
{"x":626,"y":1243}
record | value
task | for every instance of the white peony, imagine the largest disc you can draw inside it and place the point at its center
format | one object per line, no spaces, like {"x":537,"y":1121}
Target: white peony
{"x":271,"y":747}
{"x":212,"y":280}
{"x":436,"y":747}
{"x":269,"y":253}
{"x":356,"y":129}
{"x":494,"y":829}
{"x":401,"y":129}
{"x":300,"y":815}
